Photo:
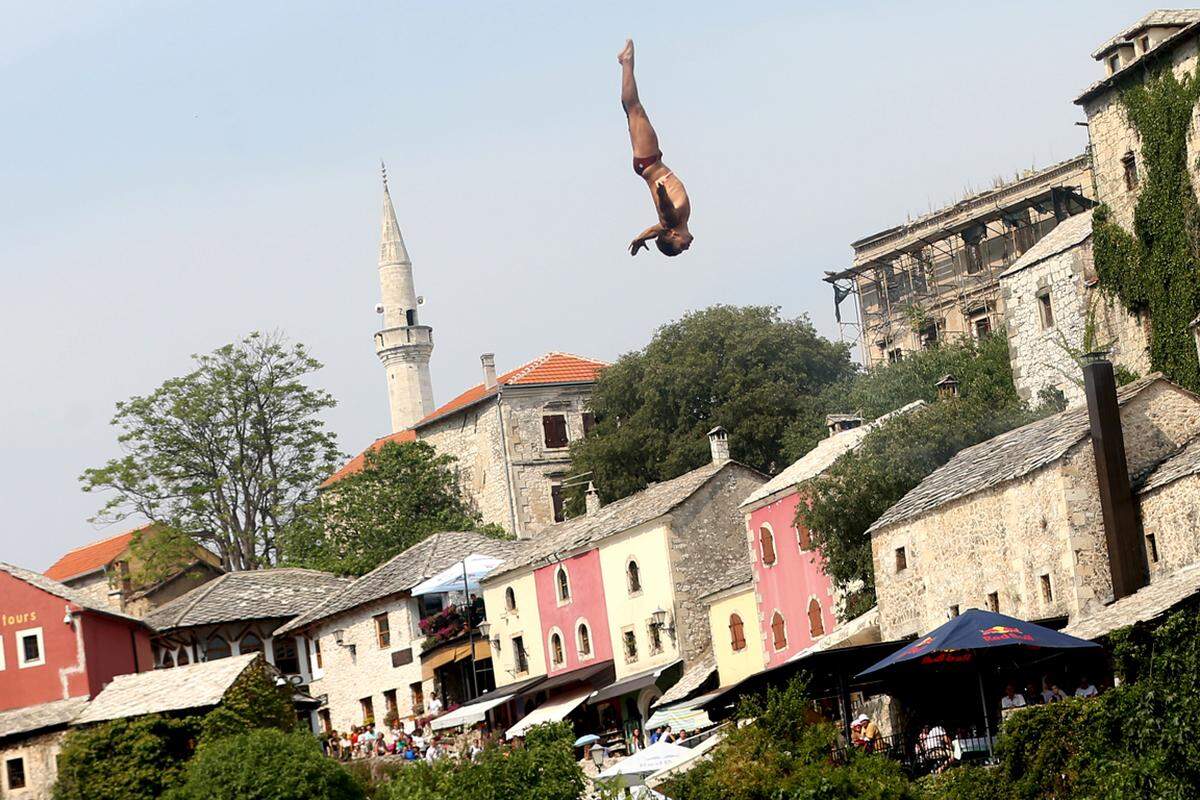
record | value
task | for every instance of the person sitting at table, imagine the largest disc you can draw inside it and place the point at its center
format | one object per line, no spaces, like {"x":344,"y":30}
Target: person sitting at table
{"x":1032,"y":694}
{"x":1050,"y":691}
{"x":871,"y":737}
{"x":1012,"y":698}
{"x":1086,"y":688}
{"x":934,"y":747}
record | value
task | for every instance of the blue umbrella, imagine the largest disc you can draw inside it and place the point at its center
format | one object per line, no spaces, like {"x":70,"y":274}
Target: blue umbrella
{"x":965,"y":639}
{"x":586,"y":740}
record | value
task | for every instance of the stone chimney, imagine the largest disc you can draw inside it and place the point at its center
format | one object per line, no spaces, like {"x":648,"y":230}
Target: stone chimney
{"x":592,"y":499}
{"x":489,"y":369}
{"x":1122,"y":532}
{"x":718,"y":443}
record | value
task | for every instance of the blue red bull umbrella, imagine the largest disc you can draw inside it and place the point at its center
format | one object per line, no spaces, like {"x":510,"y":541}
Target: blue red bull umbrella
{"x":961,"y":640}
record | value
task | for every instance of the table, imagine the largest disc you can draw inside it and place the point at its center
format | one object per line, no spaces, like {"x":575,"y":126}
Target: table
{"x":971,"y":746}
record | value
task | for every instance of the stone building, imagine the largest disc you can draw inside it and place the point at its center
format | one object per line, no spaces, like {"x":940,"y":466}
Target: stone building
{"x":237,"y":614}
{"x":366,"y":647}
{"x":936,"y":277}
{"x":1020,"y":523}
{"x":1056,"y":312}
{"x":104,"y":572}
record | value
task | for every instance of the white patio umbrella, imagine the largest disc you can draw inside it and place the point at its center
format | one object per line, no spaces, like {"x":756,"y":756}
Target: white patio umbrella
{"x":462,"y":576}
{"x":659,"y":755}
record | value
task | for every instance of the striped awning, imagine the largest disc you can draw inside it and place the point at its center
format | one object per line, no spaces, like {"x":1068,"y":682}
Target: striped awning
{"x":679,"y":719}
{"x":450,"y":653}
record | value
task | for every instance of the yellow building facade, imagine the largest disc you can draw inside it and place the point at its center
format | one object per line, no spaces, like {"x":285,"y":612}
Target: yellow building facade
{"x":736,"y":639}
{"x":512,"y":610}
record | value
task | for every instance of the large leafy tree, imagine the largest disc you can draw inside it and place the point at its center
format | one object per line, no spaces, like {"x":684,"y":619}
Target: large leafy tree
{"x":404,"y":492}
{"x":746,"y":368}
{"x":227,"y":454}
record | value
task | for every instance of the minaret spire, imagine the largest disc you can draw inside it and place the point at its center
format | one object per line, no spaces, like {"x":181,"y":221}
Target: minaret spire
{"x":404,"y":345}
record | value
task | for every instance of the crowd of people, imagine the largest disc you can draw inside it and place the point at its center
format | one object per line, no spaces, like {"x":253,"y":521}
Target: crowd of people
{"x":1050,"y":692}
{"x":420,"y":744}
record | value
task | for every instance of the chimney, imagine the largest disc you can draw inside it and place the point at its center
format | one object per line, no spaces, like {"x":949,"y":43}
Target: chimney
{"x":592,"y":499}
{"x":1126,"y":558}
{"x":489,"y":369}
{"x":718,"y":443}
{"x":836,"y":423}
{"x":947,"y":387}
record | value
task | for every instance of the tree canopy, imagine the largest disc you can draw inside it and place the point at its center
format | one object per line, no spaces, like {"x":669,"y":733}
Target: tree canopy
{"x":745,"y":368}
{"x":404,"y":492}
{"x":227,"y":454}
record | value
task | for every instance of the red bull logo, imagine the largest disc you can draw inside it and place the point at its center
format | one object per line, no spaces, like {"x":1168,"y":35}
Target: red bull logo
{"x":917,"y":647}
{"x":1000,"y":633}
{"x":947,"y":657}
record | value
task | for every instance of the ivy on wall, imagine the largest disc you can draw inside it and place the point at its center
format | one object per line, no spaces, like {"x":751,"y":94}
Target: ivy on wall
{"x":1156,"y":270}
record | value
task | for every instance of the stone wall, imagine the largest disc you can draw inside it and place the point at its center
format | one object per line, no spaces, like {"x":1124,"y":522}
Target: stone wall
{"x":40,"y":756}
{"x":473,"y":437}
{"x":346,"y":678}
{"x":1171,"y":513}
{"x":95,"y":587}
{"x":707,"y":541}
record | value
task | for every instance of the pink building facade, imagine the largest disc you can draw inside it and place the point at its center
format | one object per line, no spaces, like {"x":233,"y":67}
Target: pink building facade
{"x":794,"y":595}
{"x":574,"y":617}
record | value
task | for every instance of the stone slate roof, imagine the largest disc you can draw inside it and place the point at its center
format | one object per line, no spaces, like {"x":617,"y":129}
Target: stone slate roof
{"x":1147,"y":603}
{"x":821,"y":457}
{"x":1066,"y":234}
{"x":57,"y":589}
{"x":253,"y":594}
{"x":176,"y":689}
{"x":404,"y":571}
{"x":1188,"y":18}
{"x":1158,"y":17}
{"x":31,"y":719}
{"x":690,"y":681}
{"x":1183,"y":462}
{"x":863,"y":629}
{"x":650,"y":503}
{"x":1003,"y":458}
{"x":742,"y":572}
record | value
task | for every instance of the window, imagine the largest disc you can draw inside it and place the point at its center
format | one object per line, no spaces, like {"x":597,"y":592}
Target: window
{"x":563,"y":583}
{"x":629,"y":642}
{"x":250,"y":644}
{"x":520,"y":657}
{"x":182,"y":661}
{"x":554,"y":428}
{"x":583,"y":640}
{"x":589,"y":422}
{"x":510,"y":599}
{"x":557,"y":656}
{"x":326,"y":720}
{"x":901,"y":559}
{"x":766,"y":544}
{"x":894,"y":355}
{"x":737,"y":633}
{"x":558,"y":503}
{"x":383,"y":631}
{"x":1046,"y":310}
{"x":655,"y":634}
{"x":993,"y":601}
{"x":1114,"y":63}
{"x":287,"y":657}
{"x":410,"y":316}
{"x":168,"y":660}
{"x":1129,"y":165}
{"x":1144,"y":43}
{"x":983,"y":326}
{"x":216,"y":648}
{"x":316,"y":649}
{"x":816,"y":624}
{"x":1151,"y":552}
{"x":30,"y":652}
{"x":1047,"y":589}
{"x":389,"y":702}
{"x":952,"y":612}
{"x":418,"y":698}
{"x":803,"y":538}
{"x":778,"y":632}
{"x":633,"y":576}
{"x":15,"y":769}
{"x":2,"y":665}
{"x":368,"y":710}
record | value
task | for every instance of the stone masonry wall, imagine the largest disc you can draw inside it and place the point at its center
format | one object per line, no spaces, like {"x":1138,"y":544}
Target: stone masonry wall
{"x":1172,"y":514}
{"x":346,"y":679}
{"x":472,"y":436}
{"x":708,"y":540}
{"x":40,"y":754}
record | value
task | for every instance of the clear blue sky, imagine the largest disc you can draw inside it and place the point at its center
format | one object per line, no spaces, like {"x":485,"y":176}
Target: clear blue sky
{"x":176,"y":175}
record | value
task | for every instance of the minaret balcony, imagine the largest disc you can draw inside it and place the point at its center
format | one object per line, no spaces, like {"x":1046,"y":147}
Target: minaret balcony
{"x":405,"y":336}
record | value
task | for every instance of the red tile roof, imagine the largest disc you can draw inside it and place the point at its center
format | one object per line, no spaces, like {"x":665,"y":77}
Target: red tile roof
{"x":91,"y":557}
{"x":553,"y":367}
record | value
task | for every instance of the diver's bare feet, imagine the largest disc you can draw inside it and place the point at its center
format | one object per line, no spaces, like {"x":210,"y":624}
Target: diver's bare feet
{"x":626,"y":55}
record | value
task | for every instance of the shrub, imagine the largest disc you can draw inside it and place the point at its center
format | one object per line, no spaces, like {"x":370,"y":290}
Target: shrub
{"x":253,"y":701}
{"x":126,"y":759}
{"x":266,"y":764}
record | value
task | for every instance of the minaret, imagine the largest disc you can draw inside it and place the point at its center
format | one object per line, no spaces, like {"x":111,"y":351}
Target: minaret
{"x":404,"y":346}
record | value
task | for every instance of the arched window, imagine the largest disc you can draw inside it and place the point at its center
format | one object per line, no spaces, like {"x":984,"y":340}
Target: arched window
{"x":737,"y":633}
{"x":510,"y":599}
{"x":183,"y":659}
{"x":216,"y":648}
{"x":168,"y":660}
{"x":250,"y":644}
{"x":564,"y":585}
{"x":583,"y":638}
{"x":803,"y":538}
{"x":633,"y":576}
{"x":816,"y":625}
{"x":766,"y":543}
{"x":778,"y":632}
{"x":556,"y":649}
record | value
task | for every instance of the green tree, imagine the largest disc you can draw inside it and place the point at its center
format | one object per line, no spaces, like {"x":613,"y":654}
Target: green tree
{"x":404,"y":492}
{"x":158,"y":552}
{"x":253,"y":701}
{"x":125,"y":759}
{"x":745,"y":368}
{"x":266,"y":764}
{"x":227,"y":454}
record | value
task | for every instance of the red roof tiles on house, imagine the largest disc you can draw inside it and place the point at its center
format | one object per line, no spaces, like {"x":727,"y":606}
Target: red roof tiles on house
{"x":91,"y":557}
{"x":553,"y":367}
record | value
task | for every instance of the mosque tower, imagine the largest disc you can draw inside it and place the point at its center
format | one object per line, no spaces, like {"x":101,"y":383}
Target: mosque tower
{"x":403,"y":345}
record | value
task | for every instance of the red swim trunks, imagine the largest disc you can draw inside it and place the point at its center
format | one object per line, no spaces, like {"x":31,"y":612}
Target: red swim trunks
{"x":642,"y":164}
